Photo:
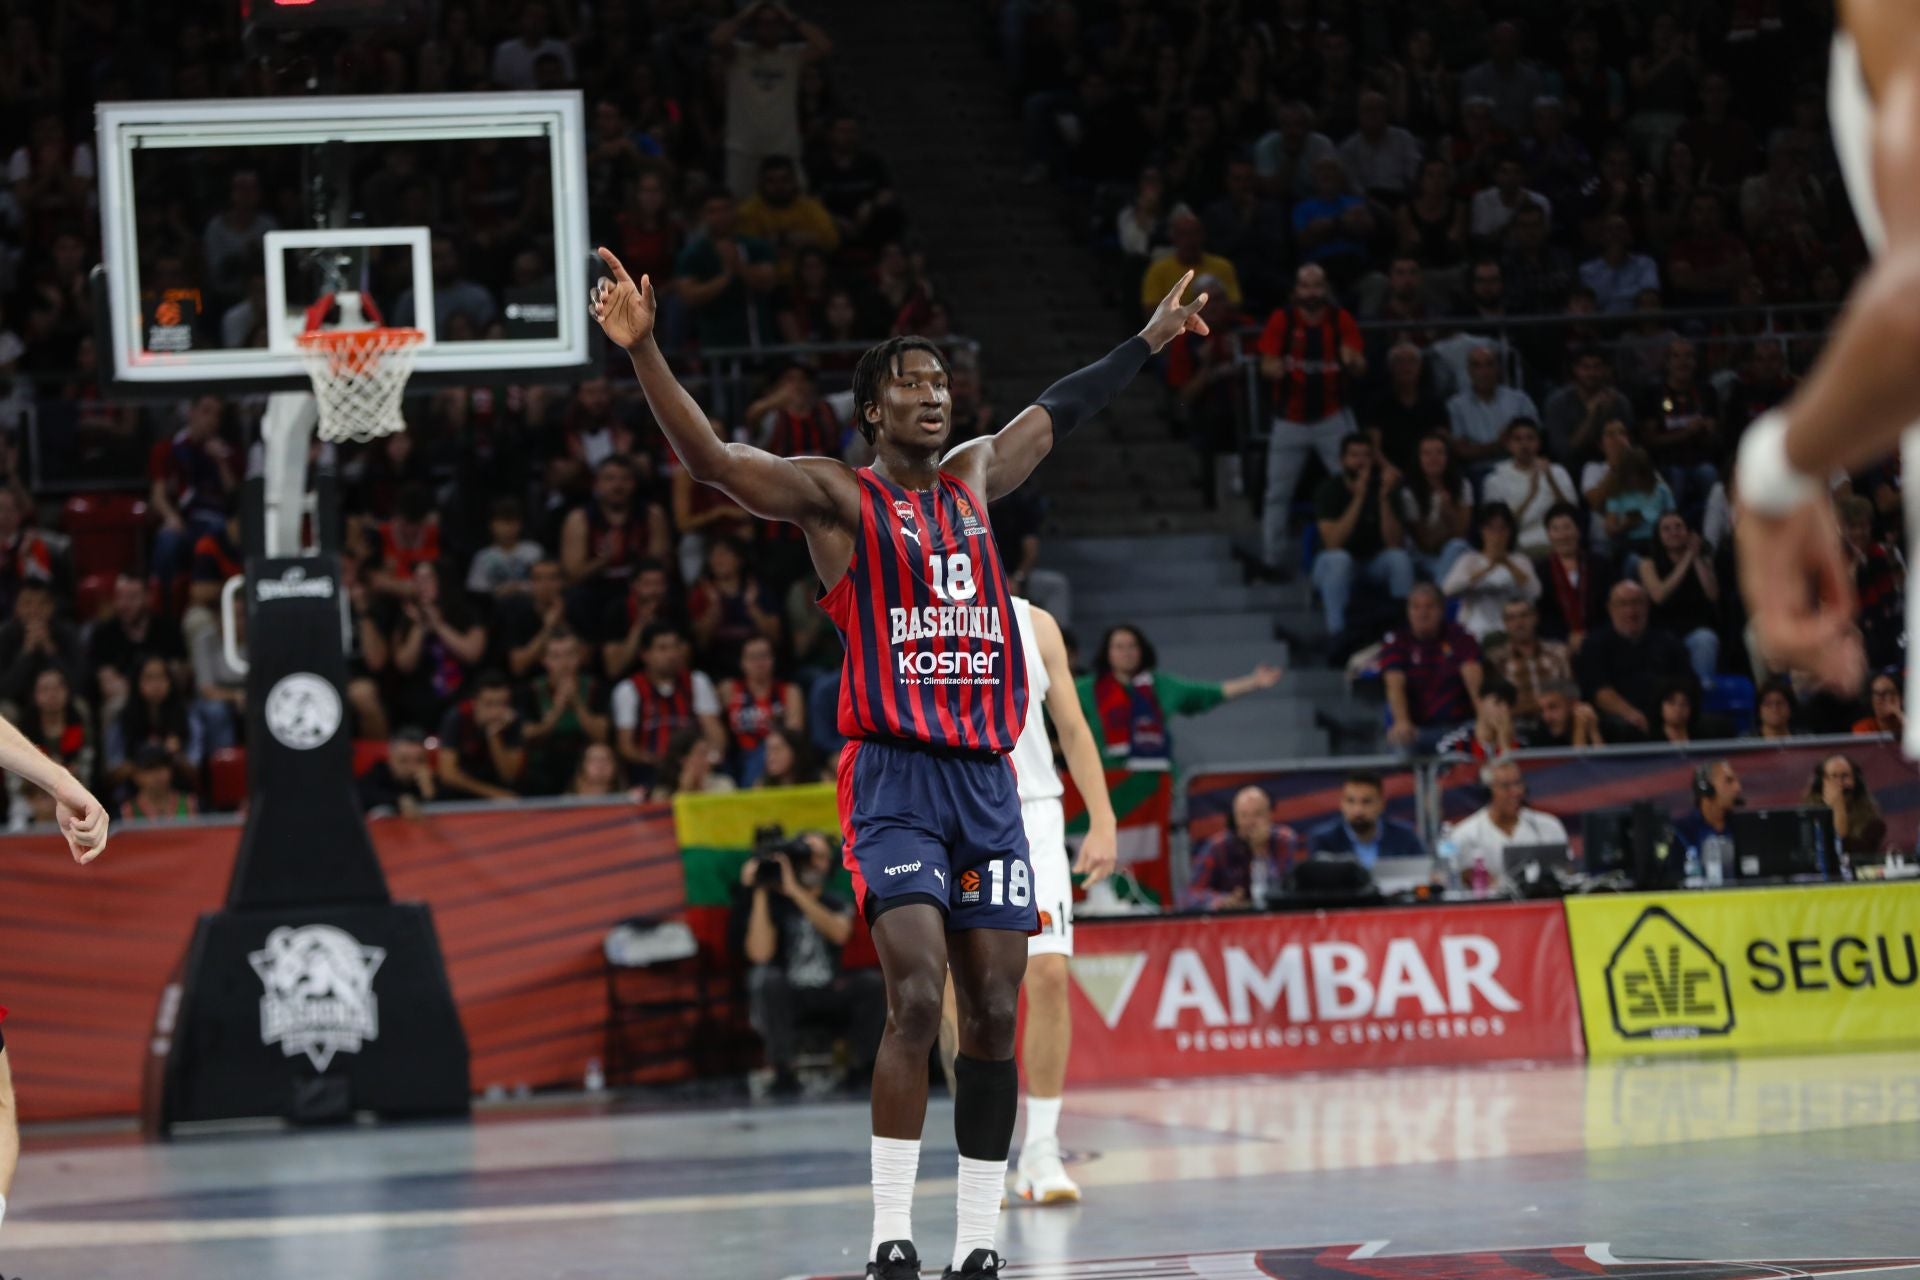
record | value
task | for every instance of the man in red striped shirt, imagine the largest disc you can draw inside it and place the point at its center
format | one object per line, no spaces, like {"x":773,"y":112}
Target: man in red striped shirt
{"x":662,"y":699}
{"x":1311,"y":353}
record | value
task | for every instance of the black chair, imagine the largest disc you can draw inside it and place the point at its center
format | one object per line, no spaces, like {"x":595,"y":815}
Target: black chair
{"x":665,"y":1000}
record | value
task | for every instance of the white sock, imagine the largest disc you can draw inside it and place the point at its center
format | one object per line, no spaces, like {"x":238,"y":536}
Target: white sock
{"x":896,"y":1164}
{"x":1043,"y":1120}
{"x":982,"y":1183}
{"x":3,"y":1208}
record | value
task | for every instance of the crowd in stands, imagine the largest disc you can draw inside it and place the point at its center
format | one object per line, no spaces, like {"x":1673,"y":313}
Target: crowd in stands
{"x":1375,"y":196}
{"x":542,"y":602}
{"x":1514,"y":278}
{"x":719,"y":161}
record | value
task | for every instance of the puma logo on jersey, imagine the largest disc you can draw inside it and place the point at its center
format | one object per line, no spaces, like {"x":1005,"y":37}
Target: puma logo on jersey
{"x":908,"y":533}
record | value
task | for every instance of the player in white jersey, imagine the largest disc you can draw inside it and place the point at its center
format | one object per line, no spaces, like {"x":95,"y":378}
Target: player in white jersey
{"x":1041,"y":1176}
{"x":1863,"y":395}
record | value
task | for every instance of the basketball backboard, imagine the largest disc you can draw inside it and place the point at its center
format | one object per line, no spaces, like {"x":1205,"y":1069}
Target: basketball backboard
{"x":223,"y":222}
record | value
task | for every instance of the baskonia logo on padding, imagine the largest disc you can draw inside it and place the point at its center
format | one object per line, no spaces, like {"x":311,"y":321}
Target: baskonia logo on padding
{"x":319,"y":992}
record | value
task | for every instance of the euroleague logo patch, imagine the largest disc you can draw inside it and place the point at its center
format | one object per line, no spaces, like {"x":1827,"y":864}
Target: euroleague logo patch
{"x":969,"y":523}
{"x":969,"y":887}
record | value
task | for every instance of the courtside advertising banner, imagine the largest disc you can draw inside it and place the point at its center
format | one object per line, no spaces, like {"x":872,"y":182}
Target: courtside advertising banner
{"x":1225,"y":994}
{"x":1817,"y":966}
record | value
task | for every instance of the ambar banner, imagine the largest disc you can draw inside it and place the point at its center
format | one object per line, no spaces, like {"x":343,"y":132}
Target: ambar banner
{"x":1828,"y":966}
{"x":1218,"y":995}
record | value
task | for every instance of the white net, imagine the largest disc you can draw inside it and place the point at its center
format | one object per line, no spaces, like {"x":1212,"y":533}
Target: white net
{"x":358,"y":378}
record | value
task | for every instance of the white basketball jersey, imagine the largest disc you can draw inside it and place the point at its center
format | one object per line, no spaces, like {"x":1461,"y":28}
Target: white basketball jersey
{"x":1032,"y":756}
{"x":1850,"y":107}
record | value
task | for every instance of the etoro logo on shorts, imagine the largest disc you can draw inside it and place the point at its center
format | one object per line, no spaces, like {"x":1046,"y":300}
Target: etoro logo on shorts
{"x":903,"y":868}
{"x":969,"y":887}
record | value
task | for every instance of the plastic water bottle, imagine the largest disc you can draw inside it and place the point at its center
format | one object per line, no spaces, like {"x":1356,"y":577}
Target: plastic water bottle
{"x":1693,"y":874}
{"x":1448,"y":852}
{"x":595,"y":1080}
{"x":1479,"y":877}
{"x":1261,"y":877}
{"x":1715,"y":852}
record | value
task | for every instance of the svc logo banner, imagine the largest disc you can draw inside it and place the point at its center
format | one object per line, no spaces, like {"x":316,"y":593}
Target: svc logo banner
{"x":318,"y":997}
{"x":1221,"y":995}
{"x":1664,"y":983}
{"x":1804,"y":967}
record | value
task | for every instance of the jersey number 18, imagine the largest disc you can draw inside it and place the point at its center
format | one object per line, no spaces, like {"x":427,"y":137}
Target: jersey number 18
{"x":952,"y":576}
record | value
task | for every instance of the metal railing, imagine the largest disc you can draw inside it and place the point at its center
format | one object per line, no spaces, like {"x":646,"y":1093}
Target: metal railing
{"x":727,"y":373}
{"x":74,"y":443}
{"x":1429,"y":772}
{"x":1635,"y":342}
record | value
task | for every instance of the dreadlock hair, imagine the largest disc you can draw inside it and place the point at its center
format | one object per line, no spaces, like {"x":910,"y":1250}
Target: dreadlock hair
{"x":876,"y":366}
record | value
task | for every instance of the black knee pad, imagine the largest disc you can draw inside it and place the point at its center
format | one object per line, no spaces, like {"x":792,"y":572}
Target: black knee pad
{"x":986,"y":1099}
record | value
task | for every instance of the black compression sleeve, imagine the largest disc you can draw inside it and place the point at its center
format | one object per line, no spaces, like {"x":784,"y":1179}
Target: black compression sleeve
{"x":1083,"y":393}
{"x":986,"y":1102}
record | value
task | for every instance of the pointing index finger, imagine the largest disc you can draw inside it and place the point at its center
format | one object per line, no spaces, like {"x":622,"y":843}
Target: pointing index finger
{"x":613,"y":265}
{"x":1179,"y":289}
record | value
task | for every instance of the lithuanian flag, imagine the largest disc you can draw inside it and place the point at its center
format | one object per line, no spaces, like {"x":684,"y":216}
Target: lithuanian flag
{"x":716,"y":837}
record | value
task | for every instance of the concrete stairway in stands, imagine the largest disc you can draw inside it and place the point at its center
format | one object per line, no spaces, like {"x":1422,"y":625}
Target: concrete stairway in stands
{"x":1127,"y":523}
{"x":1185,"y":593}
{"x":934,"y":100}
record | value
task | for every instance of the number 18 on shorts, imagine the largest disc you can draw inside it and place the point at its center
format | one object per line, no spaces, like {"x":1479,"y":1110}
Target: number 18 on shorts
{"x":938,"y":829}
{"x":1008,"y":883}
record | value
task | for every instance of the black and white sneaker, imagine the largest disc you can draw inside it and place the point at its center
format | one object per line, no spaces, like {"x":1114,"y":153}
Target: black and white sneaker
{"x":982,"y":1264}
{"x":895,"y":1260}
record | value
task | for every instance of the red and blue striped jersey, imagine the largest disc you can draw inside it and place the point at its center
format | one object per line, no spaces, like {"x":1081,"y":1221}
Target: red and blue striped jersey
{"x":751,"y":717}
{"x":933,"y":654}
{"x":663,"y":716}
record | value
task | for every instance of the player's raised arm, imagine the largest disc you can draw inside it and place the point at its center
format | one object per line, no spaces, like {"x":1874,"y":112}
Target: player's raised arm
{"x":1854,"y":405}
{"x":1001,"y":462}
{"x":798,"y":490}
{"x":82,"y":819}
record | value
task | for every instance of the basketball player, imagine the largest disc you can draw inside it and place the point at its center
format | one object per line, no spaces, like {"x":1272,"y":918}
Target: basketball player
{"x":1041,"y":1176}
{"x":1862,"y":393}
{"x":83,"y":822}
{"x":932,"y":697}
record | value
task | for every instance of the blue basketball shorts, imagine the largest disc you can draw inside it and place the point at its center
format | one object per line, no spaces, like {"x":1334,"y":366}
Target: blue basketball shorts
{"x":938,"y":827}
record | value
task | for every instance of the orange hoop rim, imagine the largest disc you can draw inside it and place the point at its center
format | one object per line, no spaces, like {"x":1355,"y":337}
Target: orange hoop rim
{"x":335,"y":339}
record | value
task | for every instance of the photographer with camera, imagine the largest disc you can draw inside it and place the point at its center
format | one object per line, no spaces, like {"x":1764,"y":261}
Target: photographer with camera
{"x":791,"y":930}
